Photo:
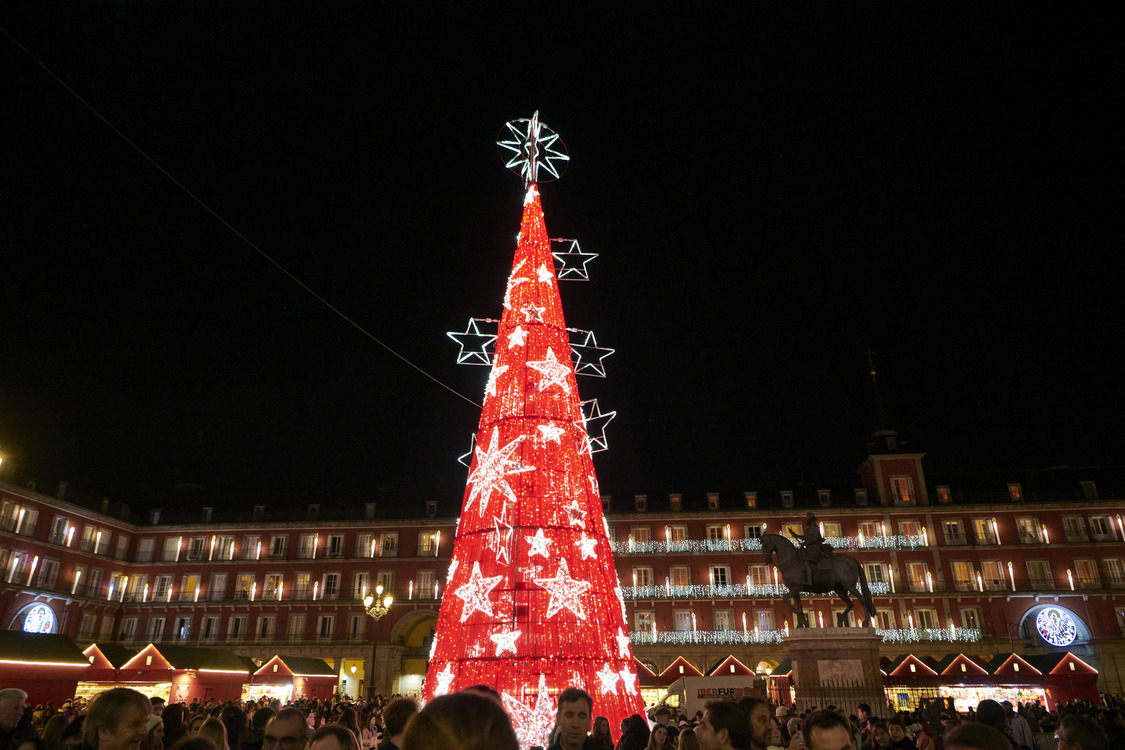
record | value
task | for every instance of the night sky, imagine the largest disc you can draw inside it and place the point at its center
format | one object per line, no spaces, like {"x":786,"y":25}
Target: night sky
{"x":772,"y":194}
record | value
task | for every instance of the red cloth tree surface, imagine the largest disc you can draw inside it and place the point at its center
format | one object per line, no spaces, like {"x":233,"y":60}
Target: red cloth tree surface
{"x":532,"y":602}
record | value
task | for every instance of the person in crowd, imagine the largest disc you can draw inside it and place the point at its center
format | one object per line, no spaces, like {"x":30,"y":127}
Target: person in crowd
{"x":897,"y":730}
{"x":1018,"y":728}
{"x":827,"y":730}
{"x":976,"y":736}
{"x":573,"y":721}
{"x":1078,"y":732}
{"x":878,"y":737}
{"x":663,"y":717}
{"x":175,"y":719}
{"x":659,"y":739}
{"x":466,"y":720}
{"x":334,"y":737}
{"x":603,"y":738}
{"x":349,"y":719}
{"x":395,"y":718}
{"x":193,"y":727}
{"x":53,"y":731}
{"x":155,"y":738}
{"x":15,"y":723}
{"x":924,"y":737}
{"x":865,"y":718}
{"x":687,"y":739}
{"x":724,"y":726}
{"x":286,"y":730}
{"x":216,"y":731}
{"x":236,"y":723}
{"x":258,"y":721}
{"x":634,"y":734}
{"x":116,"y":720}
{"x":764,"y":731}
{"x":72,"y":734}
{"x":157,"y":705}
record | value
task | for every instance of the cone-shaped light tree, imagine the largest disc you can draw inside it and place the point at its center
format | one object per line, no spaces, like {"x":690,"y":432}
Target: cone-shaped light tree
{"x":532,"y":603}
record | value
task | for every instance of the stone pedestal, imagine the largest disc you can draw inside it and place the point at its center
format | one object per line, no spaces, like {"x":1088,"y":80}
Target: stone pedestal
{"x":836,"y":667}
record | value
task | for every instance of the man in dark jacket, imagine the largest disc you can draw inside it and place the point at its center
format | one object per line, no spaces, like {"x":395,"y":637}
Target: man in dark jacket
{"x":15,"y":721}
{"x":576,"y":709}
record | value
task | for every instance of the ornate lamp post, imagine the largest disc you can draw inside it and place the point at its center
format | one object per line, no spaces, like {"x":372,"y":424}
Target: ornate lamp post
{"x":377,"y":606}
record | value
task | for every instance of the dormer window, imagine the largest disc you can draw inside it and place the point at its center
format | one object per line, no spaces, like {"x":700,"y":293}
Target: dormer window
{"x":1015,"y":493}
{"x":675,"y":501}
{"x":787,"y":498}
{"x":861,"y":496}
{"x":943,"y":494}
{"x":751,"y":499}
{"x":712,"y":501}
{"x":640,"y":502}
{"x":824,"y":497}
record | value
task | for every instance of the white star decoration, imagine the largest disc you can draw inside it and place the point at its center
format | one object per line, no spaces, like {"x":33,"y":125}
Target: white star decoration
{"x":608,"y":678}
{"x":630,"y":681}
{"x":623,"y":643}
{"x":493,"y":376}
{"x":565,"y":592}
{"x":540,"y":545}
{"x":551,"y":433}
{"x":501,"y":541}
{"x":505,"y":641}
{"x":576,"y":514}
{"x":492,"y":466}
{"x":553,"y":372}
{"x":532,"y":313}
{"x":517,"y":337}
{"x":533,"y":727}
{"x":545,"y":274}
{"x":444,"y":680}
{"x":475,"y":593}
{"x":588,"y":545}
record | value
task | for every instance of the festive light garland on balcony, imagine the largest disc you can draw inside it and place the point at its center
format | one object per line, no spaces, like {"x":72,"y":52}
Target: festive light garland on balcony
{"x":747,"y":637}
{"x":891,"y":541}
{"x":727,"y":591}
{"x":914,"y":635}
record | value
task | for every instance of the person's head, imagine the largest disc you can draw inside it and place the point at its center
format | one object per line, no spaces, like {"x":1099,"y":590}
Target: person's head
{"x":688,"y":740}
{"x":991,"y":714}
{"x":116,"y":720}
{"x":1076,"y":732}
{"x":397,"y":714}
{"x":157,"y":704}
{"x":896,"y":729}
{"x":12,"y":703}
{"x":155,"y":728}
{"x":863,"y":711}
{"x":575,"y":708}
{"x":174,"y":716}
{"x":761,"y":725}
{"x":601,"y":727}
{"x":214,"y":730}
{"x":286,"y":730}
{"x":260,"y":718}
{"x":724,"y":726}
{"x":196,"y":723}
{"x":235,"y":721}
{"x":827,"y":730}
{"x":976,"y":736}
{"x":882,"y":736}
{"x":333,"y":737}
{"x":350,"y":719}
{"x":461,"y":721}
{"x":663,"y":715}
{"x":658,"y":738}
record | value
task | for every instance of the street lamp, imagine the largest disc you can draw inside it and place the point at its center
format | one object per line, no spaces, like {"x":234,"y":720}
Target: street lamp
{"x":376,"y":606}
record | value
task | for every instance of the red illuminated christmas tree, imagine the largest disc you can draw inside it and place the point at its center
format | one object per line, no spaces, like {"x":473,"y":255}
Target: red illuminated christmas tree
{"x":532,"y":603}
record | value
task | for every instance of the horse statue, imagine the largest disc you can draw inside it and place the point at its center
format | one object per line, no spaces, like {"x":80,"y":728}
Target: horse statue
{"x":841,"y":574}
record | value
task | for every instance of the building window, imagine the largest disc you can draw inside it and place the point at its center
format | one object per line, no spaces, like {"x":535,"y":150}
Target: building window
{"x":763,"y":619}
{"x":155,"y":632}
{"x":1087,"y":571}
{"x":236,"y":627}
{"x":1029,"y":530}
{"x":640,"y":534}
{"x":760,"y":575}
{"x":302,"y":585}
{"x":356,"y":627}
{"x":926,"y":618}
{"x":720,"y":575}
{"x":716,"y":533}
{"x":1074,"y":528}
{"x":902,"y":490}
{"x":182,"y":630}
{"x":171,"y":551}
{"x":426,"y":583}
{"x":885,"y":618}
{"x":910,"y":528}
{"x":1114,"y":571}
{"x":145,"y":548}
{"x":431,"y":508}
{"x":162,"y":588}
{"x":251,"y":547}
{"x":860,"y":496}
{"x":787,"y":498}
{"x":195,"y":548}
{"x":640,"y":502}
{"x":326,"y":624}
{"x":676,"y":502}
{"x":218,"y":588}
{"x":605,"y":503}
{"x":189,"y":587}
{"x":917,"y":573}
{"x":752,"y":531}
{"x":1039,"y":574}
{"x":680,"y":575}
{"x":224,"y":548}
{"x":992,"y":571}
{"x":389,"y":547}
{"x":644,"y":620}
{"x":59,"y":526}
{"x":677,"y":534}
{"x":295,"y":627}
{"x":722,"y":620}
{"x":642,"y":577}
{"x":712,"y":501}
{"x":791,"y":530}
{"x":964,"y":577}
{"x":265,"y":627}
{"x":426,"y":541}
{"x":870,"y":529}
{"x":876,"y":572}
{"x":1089,"y":490}
{"x":943,"y":495}
{"x":386,"y":579}
{"x":335,"y":546}
{"x":1102,"y":529}
{"x":330,"y":586}
{"x":831,"y":530}
{"x":954,"y":532}
{"x":824,"y":497}
{"x":364,"y":545}
{"x":278,"y":545}
{"x":751,"y":499}
{"x":361,"y":584}
{"x":306,"y":546}
{"x":48,"y":573}
{"x":985,"y":530}
{"x":970,"y":617}
{"x":243,"y":584}
{"x":682,"y":620}
{"x":128,"y":628}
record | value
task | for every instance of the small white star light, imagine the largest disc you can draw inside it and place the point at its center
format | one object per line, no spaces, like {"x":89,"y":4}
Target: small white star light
{"x":444,"y":680}
{"x":551,"y":433}
{"x":518,"y":337}
{"x":576,"y":515}
{"x":572,"y":261}
{"x":505,"y":641}
{"x":588,"y":545}
{"x":540,"y":545}
{"x":552,"y":371}
{"x":475,"y":593}
{"x":532,"y":313}
{"x":566,"y":592}
{"x":545,"y":274}
{"x":476,"y":346}
{"x":623,"y":643}
{"x":532,"y":150}
{"x":629,"y":679}
{"x":608,"y":679}
{"x":493,"y":465}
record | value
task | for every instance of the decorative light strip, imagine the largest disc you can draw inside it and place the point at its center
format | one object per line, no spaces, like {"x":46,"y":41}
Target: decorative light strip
{"x":727,"y":591}
{"x":682,"y":637}
{"x":893,"y":541}
{"x":913,"y":635}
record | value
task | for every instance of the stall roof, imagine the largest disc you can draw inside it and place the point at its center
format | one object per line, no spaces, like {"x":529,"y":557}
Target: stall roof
{"x":1053,"y":664}
{"x":41,"y":648}
{"x":299,"y":665}
{"x":207,"y":659}
{"x":723,"y":668}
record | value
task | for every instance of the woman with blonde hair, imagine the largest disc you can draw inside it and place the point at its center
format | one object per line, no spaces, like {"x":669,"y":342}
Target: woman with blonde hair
{"x":688,"y":740}
{"x":462,"y":721}
{"x":216,"y":731}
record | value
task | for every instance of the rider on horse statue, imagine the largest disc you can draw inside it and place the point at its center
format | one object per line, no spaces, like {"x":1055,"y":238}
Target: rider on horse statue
{"x":815,"y":547}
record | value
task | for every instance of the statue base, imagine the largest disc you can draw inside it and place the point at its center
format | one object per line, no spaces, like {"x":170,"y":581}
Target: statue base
{"x":836,"y":667}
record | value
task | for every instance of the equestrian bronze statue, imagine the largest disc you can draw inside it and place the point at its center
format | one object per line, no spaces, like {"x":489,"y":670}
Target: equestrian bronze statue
{"x":815,"y":569}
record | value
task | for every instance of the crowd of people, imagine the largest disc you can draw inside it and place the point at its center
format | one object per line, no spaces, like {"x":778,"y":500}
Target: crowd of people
{"x":474,"y":719}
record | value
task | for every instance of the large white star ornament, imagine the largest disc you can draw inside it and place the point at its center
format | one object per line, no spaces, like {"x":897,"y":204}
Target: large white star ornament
{"x":505,"y":641}
{"x":532,"y":313}
{"x":566,"y":592}
{"x":608,"y":679}
{"x":553,"y":372}
{"x":493,"y":465}
{"x":540,"y":545}
{"x":444,"y":680}
{"x":533,"y":726}
{"x":588,"y":545}
{"x":545,"y":274}
{"x":550,"y":433}
{"x":518,"y":337}
{"x":623,"y":644}
{"x":630,"y":681}
{"x":475,"y":593}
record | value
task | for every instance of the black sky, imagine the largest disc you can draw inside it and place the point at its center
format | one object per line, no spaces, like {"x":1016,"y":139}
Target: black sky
{"x":771,"y":192}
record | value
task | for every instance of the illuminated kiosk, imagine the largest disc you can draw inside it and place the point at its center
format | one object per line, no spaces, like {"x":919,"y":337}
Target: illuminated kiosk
{"x":288,"y":678}
{"x":533,"y":603}
{"x":48,"y":666}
